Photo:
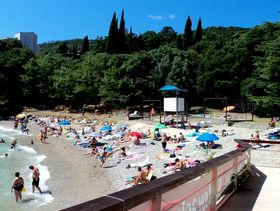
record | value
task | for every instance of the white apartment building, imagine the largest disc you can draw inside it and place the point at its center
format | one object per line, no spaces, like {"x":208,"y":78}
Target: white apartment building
{"x":28,"y":39}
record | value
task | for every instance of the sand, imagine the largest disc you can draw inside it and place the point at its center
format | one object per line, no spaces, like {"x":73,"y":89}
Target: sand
{"x":76,"y":178}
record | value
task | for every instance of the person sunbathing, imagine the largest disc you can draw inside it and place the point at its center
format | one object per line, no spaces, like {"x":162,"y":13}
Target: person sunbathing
{"x":123,"y":153}
{"x":147,"y":134}
{"x":141,"y":178}
{"x":181,"y":137}
{"x":179,"y":164}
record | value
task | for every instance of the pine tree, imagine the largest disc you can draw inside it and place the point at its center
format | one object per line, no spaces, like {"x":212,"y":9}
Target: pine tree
{"x":122,"y":40}
{"x":198,"y":34}
{"x":112,"y":41}
{"x":85,"y":46}
{"x":131,"y":42}
{"x":188,"y":35}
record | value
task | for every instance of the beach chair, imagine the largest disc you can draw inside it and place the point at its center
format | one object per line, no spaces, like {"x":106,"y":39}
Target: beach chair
{"x":135,"y":113}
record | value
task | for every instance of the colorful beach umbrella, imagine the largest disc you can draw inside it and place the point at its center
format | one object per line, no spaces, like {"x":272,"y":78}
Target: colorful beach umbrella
{"x":209,"y":137}
{"x":136,"y":134}
{"x":106,"y":128}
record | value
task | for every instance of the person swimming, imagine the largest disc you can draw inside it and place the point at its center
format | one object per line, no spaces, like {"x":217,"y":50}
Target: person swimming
{"x":13,"y":144}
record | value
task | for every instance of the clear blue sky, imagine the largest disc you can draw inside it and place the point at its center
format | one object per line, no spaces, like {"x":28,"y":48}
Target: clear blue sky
{"x":69,"y":19}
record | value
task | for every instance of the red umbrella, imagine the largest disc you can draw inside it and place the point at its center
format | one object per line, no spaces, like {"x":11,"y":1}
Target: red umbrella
{"x":136,"y":134}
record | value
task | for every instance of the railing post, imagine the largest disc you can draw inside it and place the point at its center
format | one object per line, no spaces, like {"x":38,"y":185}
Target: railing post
{"x":214,"y":189}
{"x":157,"y":203}
{"x":249,"y":156}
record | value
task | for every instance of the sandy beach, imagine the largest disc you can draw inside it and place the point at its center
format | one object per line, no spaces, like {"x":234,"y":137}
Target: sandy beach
{"x":76,"y":177}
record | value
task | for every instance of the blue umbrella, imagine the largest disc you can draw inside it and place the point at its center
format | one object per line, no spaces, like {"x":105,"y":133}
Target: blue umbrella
{"x":106,"y":128}
{"x":64,"y":122}
{"x":209,"y":137}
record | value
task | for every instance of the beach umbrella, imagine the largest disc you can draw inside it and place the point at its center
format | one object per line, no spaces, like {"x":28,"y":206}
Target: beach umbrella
{"x":20,"y":116}
{"x":106,"y":128}
{"x":136,"y":134}
{"x":64,"y":122}
{"x":229,"y":108}
{"x":209,"y":137}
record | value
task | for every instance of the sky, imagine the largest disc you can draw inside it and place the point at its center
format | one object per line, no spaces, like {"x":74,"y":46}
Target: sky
{"x":55,"y":20}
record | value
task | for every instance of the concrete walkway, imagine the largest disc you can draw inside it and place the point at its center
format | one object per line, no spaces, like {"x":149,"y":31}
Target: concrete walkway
{"x":261,"y":192}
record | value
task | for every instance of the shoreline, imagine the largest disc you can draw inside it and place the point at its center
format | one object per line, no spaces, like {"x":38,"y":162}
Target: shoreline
{"x":76,"y":178}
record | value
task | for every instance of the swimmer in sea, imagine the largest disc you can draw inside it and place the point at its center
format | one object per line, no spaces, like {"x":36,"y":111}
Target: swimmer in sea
{"x":13,"y":144}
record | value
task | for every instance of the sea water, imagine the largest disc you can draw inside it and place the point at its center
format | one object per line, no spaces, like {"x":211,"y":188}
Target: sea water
{"x":18,"y":160}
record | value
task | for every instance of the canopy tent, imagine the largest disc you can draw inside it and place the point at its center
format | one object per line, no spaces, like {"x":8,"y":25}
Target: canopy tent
{"x":171,"y":88}
{"x":168,"y":88}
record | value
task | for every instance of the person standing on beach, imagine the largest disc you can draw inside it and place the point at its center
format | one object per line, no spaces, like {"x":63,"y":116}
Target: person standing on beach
{"x":164,"y":142}
{"x":36,"y":178}
{"x":17,"y":186}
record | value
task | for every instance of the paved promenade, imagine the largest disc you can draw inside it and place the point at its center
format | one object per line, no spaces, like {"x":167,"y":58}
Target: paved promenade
{"x":261,"y":193}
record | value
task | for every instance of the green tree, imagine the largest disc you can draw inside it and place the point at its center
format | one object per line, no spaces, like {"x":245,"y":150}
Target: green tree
{"x":38,"y":86}
{"x":132,"y":42}
{"x":188,"y":35}
{"x":150,"y":40}
{"x":122,"y":36}
{"x":12,"y":59}
{"x":198,"y":33}
{"x":167,"y":36}
{"x":140,"y":44}
{"x":85,"y":47}
{"x":179,"y":42}
{"x":113,"y":36}
{"x":63,"y":48}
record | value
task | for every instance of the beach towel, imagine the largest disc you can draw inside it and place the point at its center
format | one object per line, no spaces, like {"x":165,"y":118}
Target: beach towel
{"x":140,"y":164}
{"x":133,"y":157}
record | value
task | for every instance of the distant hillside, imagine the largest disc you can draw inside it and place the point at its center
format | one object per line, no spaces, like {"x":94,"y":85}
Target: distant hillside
{"x":74,"y":44}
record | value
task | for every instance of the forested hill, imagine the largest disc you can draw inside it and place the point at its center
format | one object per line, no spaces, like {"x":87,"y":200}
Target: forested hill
{"x":125,"y":68}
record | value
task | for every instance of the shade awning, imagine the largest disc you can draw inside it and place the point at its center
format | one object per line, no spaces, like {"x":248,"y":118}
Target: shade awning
{"x":171,"y":88}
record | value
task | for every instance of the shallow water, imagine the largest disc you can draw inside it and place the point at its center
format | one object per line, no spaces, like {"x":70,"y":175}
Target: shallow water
{"x":18,"y":160}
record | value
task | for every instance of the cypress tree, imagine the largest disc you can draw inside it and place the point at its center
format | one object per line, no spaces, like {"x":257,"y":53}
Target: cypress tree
{"x":122,"y":40}
{"x":85,"y":46}
{"x":198,"y":34}
{"x":112,"y":41}
{"x":131,"y":43}
{"x":188,"y":35}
